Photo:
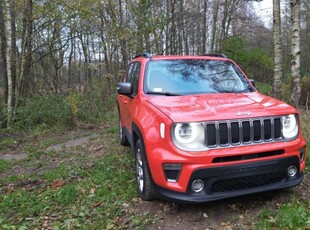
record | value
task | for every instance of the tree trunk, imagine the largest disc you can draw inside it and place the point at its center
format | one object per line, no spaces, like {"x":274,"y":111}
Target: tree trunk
{"x":9,"y":61}
{"x":215,"y":19}
{"x":25,"y":82}
{"x":205,"y":28}
{"x":278,"y":59}
{"x":295,"y":51}
{"x":3,"y":50}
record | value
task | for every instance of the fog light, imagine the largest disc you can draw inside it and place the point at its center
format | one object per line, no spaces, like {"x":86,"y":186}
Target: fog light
{"x":172,"y":172}
{"x":197,"y":185}
{"x":292,"y":170}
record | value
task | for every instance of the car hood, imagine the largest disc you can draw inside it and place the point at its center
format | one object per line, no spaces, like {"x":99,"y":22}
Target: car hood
{"x":219,"y":106}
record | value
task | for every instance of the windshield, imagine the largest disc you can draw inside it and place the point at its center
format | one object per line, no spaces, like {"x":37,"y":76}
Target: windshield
{"x":185,"y":77}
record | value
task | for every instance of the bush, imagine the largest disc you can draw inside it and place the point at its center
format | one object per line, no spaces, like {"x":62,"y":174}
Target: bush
{"x":305,"y":89}
{"x":44,"y":111}
{"x":255,"y":62}
{"x":66,"y":111}
{"x":94,"y":105}
{"x":264,"y":88}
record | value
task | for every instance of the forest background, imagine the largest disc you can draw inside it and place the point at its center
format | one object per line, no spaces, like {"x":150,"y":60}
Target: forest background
{"x":61,"y":165}
{"x":61,"y":59}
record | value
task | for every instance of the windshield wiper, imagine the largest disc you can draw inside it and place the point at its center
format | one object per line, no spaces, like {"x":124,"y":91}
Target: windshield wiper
{"x":233,"y":91}
{"x":163,"y":93}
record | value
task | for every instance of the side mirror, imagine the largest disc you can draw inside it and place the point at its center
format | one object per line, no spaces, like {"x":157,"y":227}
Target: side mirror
{"x":252,"y":82}
{"x":124,"y":88}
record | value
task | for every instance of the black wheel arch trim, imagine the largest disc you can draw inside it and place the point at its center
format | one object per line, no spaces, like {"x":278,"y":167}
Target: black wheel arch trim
{"x":137,"y":135}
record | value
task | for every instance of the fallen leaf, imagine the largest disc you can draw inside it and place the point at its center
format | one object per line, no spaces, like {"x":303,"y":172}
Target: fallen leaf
{"x":125,"y":205}
{"x":110,"y":226}
{"x":57,"y":184}
{"x":98,"y":148}
{"x":92,"y":190}
{"x":96,"y":204}
{"x":57,"y":204}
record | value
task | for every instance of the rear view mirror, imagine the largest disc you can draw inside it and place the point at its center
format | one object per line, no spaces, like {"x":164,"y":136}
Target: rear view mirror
{"x":124,"y":88}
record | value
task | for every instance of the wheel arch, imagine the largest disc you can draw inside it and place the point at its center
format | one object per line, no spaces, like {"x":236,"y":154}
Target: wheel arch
{"x":137,"y":135}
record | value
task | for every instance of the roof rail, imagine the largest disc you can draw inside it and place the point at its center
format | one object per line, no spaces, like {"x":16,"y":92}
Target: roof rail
{"x":145,"y":54}
{"x":215,"y":55}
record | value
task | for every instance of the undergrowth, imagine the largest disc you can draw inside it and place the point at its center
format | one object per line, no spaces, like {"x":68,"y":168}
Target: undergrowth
{"x":74,"y":188}
{"x":52,"y":111}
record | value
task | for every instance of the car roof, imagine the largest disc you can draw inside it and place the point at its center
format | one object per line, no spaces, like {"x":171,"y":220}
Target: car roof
{"x":173,"y":57}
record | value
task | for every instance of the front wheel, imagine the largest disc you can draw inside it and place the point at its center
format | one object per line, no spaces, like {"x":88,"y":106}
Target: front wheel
{"x":143,"y":177}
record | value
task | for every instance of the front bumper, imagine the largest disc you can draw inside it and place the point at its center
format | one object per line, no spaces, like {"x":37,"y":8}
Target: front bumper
{"x":236,"y":180}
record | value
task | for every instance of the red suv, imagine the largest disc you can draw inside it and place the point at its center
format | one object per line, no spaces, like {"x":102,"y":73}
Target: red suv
{"x":200,"y":131}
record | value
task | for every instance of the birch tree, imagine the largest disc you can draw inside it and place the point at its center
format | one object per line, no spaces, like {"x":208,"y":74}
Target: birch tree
{"x":8,"y":21}
{"x":278,"y":59}
{"x":295,"y":51}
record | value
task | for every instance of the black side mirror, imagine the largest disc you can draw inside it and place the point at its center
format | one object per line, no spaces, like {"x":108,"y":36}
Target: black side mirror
{"x":124,"y":88}
{"x":252,"y":82}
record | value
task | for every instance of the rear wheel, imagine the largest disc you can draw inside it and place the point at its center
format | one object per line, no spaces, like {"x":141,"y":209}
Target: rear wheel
{"x":143,"y":177}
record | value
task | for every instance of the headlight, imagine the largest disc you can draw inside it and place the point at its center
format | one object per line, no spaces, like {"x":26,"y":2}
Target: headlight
{"x":289,"y":126}
{"x":188,"y":136}
{"x":185,"y":133}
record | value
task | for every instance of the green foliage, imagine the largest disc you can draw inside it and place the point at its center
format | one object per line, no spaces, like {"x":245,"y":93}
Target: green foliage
{"x":294,"y":215}
{"x":3,"y":164}
{"x":43,"y":111}
{"x":94,"y":200}
{"x":255,"y":62}
{"x":3,"y":116}
{"x":66,"y":195}
{"x":286,"y":86}
{"x":93,"y":106}
{"x":264,"y":88}
{"x":305,"y":90}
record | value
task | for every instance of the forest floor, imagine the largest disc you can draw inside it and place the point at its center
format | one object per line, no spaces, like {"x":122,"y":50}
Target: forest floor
{"x":65,"y":186}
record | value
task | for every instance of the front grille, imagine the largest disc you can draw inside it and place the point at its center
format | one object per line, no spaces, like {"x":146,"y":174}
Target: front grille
{"x":247,"y":182}
{"x":238,"y":132}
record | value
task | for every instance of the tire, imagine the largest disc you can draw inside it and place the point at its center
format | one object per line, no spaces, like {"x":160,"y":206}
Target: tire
{"x":143,"y":178}
{"x":122,"y":137}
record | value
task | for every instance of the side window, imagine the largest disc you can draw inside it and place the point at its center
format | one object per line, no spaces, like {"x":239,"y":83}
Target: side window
{"x":135,"y":78}
{"x":133,"y":75}
{"x":130,"y":72}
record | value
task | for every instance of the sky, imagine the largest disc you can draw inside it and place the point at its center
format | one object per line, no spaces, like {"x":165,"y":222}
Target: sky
{"x":264,"y":10}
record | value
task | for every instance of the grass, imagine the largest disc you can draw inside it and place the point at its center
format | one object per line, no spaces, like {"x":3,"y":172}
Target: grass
{"x":71,"y":189}
{"x":293,"y":215}
{"x":89,"y":198}
{"x":95,"y":189}
{"x":3,"y":165}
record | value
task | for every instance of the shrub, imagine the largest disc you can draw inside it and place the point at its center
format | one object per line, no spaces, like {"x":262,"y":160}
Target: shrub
{"x":264,"y":88}
{"x":254,"y":61}
{"x":93,"y":106}
{"x":44,"y":111}
{"x":305,"y":89}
